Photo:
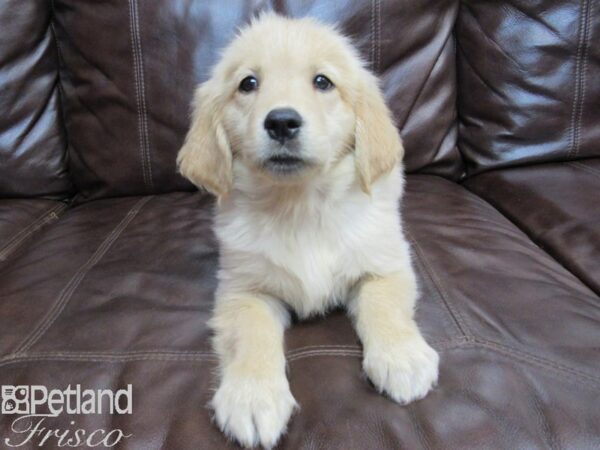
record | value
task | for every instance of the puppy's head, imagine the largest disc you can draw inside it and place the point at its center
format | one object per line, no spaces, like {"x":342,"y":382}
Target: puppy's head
{"x":288,"y":100}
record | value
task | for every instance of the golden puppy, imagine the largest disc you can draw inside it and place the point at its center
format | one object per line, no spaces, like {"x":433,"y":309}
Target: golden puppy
{"x":292,"y":135}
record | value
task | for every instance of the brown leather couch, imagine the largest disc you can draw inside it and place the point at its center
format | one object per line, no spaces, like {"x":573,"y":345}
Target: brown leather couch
{"x":107,"y":260}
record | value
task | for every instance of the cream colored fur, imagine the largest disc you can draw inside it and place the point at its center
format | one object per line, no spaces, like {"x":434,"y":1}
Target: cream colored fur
{"x":330,"y":235}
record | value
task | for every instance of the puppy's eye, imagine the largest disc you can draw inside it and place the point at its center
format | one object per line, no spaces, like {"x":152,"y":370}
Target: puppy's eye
{"x":322,"y":83}
{"x":248,"y":84}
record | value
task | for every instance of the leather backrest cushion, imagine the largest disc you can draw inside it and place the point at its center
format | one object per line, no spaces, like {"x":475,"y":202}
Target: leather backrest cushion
{"x":129,"y":69}
{"x":529,"y":81}
{"x":33,"y":157}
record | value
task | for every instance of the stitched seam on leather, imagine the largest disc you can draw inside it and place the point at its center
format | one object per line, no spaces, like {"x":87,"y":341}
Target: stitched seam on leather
{"x":576,"y":86}
{"x":420,"y":432}
{"x":138,"y":66}
{"x":200,"y":356}
{"x":558,"y":369}
{"x":441,"y":346}
{"x":143,"y":90}
{"x":543,"y":422}
{"x":32,"y":224}
{"x":25,"y":232}
{"x":15,"y":242}
{"x":550,"y":370}
{"x":175,"y":355}
{"x":434,"y":293}
{"x":110,"y":354}
{"x":137,"y":90}
{"x":589,"y":14}
{"x":71,"y":286}
{"x":351,"y":347}
{"x":167,"y":357}
{"x":538,"y":361}
{"x":454,"y":314}
{"x":583,"y":78}
{"x":323,"y":347}
{"x":588,"y":169}
{"x":355,"y":353}
{"x":126,"y":354}
{"x":580,"y":67}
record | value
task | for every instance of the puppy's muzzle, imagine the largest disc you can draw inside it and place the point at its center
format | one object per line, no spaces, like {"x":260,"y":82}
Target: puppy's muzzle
{"x":283,"y":124}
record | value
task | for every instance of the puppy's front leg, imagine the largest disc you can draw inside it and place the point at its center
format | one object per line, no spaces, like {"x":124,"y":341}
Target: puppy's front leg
{"x":396,"y":357}
{"x":253,"y":402}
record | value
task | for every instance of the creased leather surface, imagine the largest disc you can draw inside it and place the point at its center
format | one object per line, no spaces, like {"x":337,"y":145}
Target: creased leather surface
{"x":127,"y":94}
{"x":528,"y":81}
{"x":557,"y":205}
{"x":33,"y":156}
{"x":119,"y":291}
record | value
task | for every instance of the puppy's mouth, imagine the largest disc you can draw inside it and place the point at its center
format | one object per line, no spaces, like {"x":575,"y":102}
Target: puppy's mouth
{"x":285,"y":163}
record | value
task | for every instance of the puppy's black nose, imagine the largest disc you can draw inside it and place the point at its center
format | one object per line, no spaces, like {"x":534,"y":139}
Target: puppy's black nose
{"x":283,"y":124}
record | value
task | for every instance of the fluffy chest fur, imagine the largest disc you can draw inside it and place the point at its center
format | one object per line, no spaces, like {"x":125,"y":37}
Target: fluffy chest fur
{"x":308,"y":248}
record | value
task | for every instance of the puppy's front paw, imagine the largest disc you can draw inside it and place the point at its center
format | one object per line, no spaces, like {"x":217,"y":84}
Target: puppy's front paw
{"x":253,"y":411}
{"x":406,"y":371}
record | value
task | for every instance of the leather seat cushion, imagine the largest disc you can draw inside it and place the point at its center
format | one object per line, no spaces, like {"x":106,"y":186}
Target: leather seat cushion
{"x":119,"y":291}
{"x":557,"y":205}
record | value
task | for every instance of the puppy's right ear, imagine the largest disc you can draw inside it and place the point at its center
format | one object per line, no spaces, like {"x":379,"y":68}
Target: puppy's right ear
{"x":205,"y":158}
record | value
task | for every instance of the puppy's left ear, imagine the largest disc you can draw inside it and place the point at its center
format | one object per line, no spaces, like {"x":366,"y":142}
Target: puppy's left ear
{"x":378,"y":147}
{"x":205,"y":158}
